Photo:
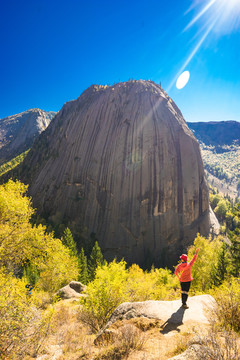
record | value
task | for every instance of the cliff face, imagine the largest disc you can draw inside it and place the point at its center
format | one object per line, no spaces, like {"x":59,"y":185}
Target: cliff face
{"x":17,"y":132}
{"x":122,"y":161}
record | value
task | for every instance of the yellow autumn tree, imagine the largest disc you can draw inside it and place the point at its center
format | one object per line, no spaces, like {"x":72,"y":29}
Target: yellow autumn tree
{"x":21,"y":243}
{"x":206,"y":263}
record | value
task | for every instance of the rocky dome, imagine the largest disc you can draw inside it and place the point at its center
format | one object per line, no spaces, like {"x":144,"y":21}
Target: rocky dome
{"x":122,"y":161}
{"x":17,"y":132}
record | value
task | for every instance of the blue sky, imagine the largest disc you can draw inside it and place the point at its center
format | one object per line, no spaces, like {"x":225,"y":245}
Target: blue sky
{"x":51,"y":51}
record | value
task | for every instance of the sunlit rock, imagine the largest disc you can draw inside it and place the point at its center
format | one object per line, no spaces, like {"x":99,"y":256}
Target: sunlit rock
{"x":122,"y":161}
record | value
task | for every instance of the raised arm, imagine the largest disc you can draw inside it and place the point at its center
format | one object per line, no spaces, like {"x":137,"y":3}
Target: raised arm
{"x":194,"y":258}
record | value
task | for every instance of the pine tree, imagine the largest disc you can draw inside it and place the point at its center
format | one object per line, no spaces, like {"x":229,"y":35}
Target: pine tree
{"x":235,"y":251}
{"x":68,"y":241}
{"x":83,"y":268}
{"x":96,"y":259}
{"x":220,"y":272}
{"x":235,"y":244}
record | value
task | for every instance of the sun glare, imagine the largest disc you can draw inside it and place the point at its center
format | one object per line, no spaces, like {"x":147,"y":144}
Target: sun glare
{"x":231,"y":3}
{"x":226,"y":12}
{"x":219,"y":16}
{"x":183,"y":80}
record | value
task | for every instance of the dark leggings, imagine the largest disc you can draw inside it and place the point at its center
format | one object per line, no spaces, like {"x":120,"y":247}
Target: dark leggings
{"x":185,"y":286}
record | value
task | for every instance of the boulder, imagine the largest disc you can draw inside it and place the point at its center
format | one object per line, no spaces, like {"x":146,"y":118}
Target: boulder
{"x":77,"y":286}
{"x":73,"y":290}
{"x":214,"y":223}
{"x":170,"y":312}
{"x":166,"y":315}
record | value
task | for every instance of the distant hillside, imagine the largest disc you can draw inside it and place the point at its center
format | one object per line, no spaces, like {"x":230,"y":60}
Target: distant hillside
{"x":220,"y":146}
{"x":17,"y":132}
{"x":217,"y":133}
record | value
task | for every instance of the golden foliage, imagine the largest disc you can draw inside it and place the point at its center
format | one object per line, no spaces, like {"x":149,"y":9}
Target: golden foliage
{"x":115,"y":284}
{"x":21,"y":243}
{"x":23,"y":325}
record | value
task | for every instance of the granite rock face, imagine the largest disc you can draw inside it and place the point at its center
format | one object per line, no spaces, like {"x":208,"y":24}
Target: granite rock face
{"x":17,"y":132}
{"x":122,"y":161}
{"x":168,"y":311}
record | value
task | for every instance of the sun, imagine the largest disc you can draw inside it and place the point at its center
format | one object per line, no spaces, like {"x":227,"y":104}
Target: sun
{"x":228,"y":7}
{"x":231,"y":4}
{"x":224,"y":14}
{"x":228,"y":12}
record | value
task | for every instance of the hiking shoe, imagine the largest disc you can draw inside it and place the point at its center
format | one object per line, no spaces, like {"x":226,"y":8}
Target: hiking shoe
{"x":185,"y":306}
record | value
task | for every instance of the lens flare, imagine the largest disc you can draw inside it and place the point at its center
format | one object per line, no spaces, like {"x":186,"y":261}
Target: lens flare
{"x":183,"y":80}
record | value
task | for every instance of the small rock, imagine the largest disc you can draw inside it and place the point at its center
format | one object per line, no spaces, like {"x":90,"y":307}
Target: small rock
{"x":72,"y":290}
{"x":77,"y":286}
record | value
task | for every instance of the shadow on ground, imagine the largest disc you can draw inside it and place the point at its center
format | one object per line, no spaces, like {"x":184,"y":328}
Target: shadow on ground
{"x":173,"y":322}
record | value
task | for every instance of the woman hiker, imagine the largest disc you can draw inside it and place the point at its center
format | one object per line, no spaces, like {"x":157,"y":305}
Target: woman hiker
{"x":185,"y":277}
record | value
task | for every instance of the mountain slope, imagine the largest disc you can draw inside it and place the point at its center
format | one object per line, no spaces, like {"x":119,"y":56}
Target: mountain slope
{"x":17,"y":132}
{"x":220,"y":147}
{"x":217,"y":133}
{"x":122,"y":161}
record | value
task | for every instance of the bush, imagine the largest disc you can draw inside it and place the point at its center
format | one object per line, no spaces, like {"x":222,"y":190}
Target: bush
{"x":14,"y":314}
{"x":115,"y":284}
{"x":227,"y":311}
{"x":105,"y":293}
{"x":22,"y":324}
{"x":59,"y":267}
{"x":158,"y":284}
{"x":217,"y":345}
{"x":129,"y":339}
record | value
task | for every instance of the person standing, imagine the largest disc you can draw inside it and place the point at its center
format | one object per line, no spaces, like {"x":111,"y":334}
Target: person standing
{"x":185,"y":277}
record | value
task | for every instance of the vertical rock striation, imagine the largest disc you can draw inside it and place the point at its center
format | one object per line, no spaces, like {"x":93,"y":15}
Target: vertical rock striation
{"x":122,"y":161}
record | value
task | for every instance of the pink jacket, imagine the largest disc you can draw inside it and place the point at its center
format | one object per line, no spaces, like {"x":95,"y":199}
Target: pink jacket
{"x":185,"y":270}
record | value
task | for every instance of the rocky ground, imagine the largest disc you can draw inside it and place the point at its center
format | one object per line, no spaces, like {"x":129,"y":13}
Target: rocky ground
{"x":154,"y":330}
